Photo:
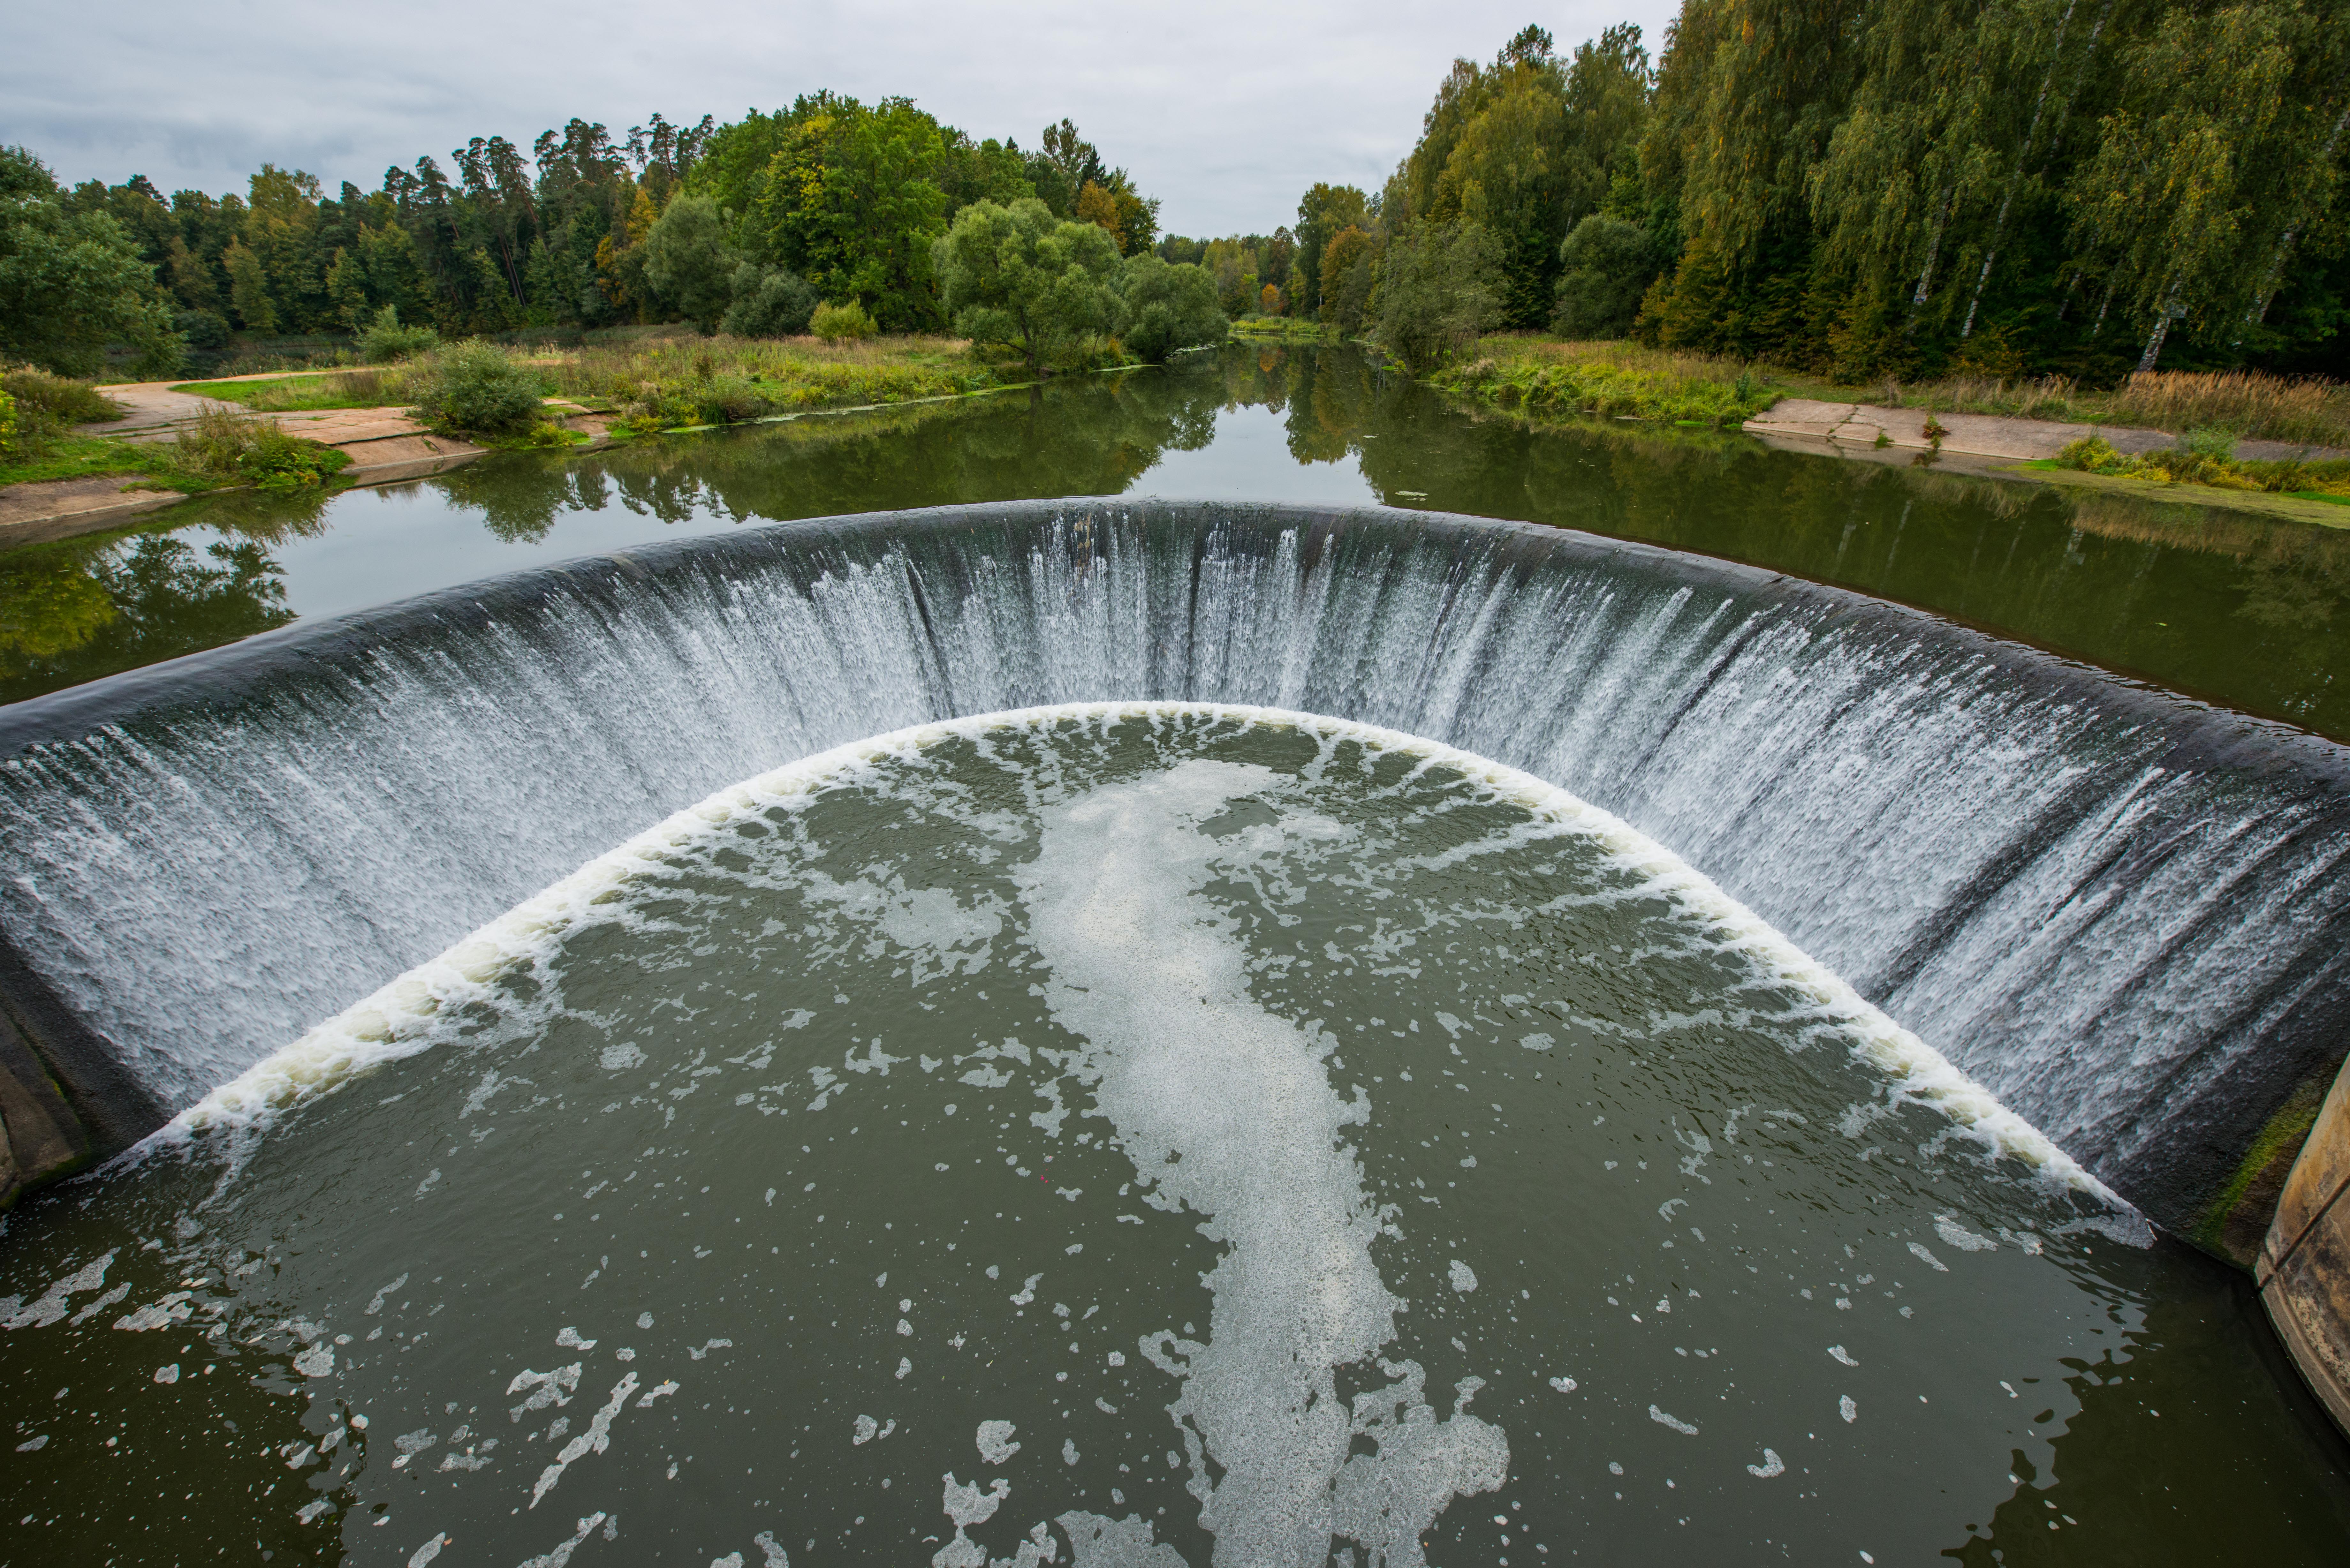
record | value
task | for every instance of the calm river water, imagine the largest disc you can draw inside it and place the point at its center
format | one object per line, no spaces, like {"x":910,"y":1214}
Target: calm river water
{"x":2240,"y":609}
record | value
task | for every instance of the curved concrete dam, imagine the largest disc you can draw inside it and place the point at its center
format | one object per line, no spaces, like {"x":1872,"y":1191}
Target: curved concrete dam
{"x":2122,"y":911}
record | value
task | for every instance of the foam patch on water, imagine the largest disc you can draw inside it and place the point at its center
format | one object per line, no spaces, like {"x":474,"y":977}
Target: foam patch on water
{"x":1227,"y":1110}
{"x":418,"y":1008}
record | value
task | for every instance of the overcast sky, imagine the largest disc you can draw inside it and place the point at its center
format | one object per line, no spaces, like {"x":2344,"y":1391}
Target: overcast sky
{"x":1226,"y":111}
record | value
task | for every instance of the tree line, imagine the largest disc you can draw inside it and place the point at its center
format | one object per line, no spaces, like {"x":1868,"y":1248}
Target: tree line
{"x":831,"y":199}
{"x":1907,"y":188}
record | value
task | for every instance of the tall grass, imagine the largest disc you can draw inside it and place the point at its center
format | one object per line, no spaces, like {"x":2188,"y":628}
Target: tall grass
{"x":225,"y":442}
{"x":1612,"y":379}
{"x":2251,"y":403}
{"x":47,"y":404}
{"x":669,"y":382}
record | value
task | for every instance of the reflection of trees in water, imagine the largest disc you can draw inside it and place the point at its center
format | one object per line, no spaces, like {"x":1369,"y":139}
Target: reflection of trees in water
{"x":90,"y":607}
{"x":1089,"y":437}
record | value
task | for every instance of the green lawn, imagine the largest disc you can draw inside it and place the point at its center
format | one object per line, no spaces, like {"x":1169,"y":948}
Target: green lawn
{"x":302,"y":394}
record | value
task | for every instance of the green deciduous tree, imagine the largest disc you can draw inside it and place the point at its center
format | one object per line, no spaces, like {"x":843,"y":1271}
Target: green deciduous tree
{"x":1019,"y":277}
{"x":71,"y":282}
{"x":1321,"y":212}
{"x":1439,"y":287}
{"x":1169,"y":307}
{"x":1605,"y":264}
{"x":248,"y":288}
{"x":849,"y":203}
{"x":689,"y":263}
{"x":2174,"y":193}
{"x":1349,"y":266}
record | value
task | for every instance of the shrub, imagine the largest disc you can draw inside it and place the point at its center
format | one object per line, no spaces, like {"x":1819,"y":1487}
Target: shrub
{"x":728,"y":399}
{"x":2093,"y":454}
{"x":7,"y":418}
{"x":840,"y":322}
{"x":475,"y":388}
{"x":205,"y":331}
{"x":769,"y":302}
{"x":385,"y":341}
{"x":2208,"y":442}
{"x":48,"y":403}
{"x":2181,"y":464}
{"x":226,"y":442}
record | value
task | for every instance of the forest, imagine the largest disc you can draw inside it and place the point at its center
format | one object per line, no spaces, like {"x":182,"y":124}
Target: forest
{"x":1911,"y":187}
{"x":747,"y":225}
{"x":1914,"y":189}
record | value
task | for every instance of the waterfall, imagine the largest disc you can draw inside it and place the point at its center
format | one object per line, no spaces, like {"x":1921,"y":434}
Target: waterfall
{"x":2123,"y":912}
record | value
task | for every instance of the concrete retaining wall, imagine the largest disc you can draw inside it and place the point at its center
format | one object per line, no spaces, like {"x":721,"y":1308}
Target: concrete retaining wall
{"x":2304,"y":1264}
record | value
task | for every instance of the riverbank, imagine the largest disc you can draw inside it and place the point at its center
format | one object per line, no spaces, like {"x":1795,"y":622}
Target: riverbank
{"x":2254,"y":437}
{"x":1628,"y":378}
{"x":1282,"y":330}
{"x":664,"y":381}
{"x":125,"y":454}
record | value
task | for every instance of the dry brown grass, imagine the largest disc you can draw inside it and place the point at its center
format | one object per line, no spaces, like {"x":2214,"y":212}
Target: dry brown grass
{"x":2031,"y":398}
{"x":2248,"y":402}
{"x":1616,"y":354}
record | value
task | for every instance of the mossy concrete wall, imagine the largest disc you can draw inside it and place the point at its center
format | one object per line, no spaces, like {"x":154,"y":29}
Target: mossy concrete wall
{"x":66,"y":1098}
{"x":40,"y":1137}
{"x":2304,"y":1264}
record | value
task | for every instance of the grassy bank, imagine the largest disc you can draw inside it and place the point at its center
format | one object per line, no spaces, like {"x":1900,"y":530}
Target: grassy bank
{"x":667,"y":380}
{"x":1539,"y":376}
{"x":2207,"y":458}
{"x":666,"y":383}
{"x":224,"y":447}
{"x":1283,"y":328}
{"x":1544,"y":374}
{"x":39,"y":443}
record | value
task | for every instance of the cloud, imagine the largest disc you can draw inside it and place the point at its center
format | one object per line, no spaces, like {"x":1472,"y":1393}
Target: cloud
{"x":1226,"y":111}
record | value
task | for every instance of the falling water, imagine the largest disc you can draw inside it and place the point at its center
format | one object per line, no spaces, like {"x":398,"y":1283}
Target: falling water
{"x":2121,"y":912}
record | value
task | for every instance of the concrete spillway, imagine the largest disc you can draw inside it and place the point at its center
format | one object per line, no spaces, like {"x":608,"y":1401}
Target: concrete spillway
{"x":2123,"y":912}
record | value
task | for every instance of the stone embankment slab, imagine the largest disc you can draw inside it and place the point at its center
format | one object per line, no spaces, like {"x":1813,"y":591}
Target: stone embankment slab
{"x":1849,"y":426}
{"x":59,"y":508}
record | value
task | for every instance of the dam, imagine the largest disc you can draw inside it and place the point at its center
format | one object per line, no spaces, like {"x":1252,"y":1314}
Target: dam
{"x":2082,"y":940}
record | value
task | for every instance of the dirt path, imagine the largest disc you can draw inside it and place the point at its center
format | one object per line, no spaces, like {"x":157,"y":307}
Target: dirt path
{"x":155,"y":407}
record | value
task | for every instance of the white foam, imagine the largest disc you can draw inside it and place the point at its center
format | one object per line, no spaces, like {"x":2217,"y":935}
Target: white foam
{"x":995,"y":1444}
{"x":1227,"y":1110}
